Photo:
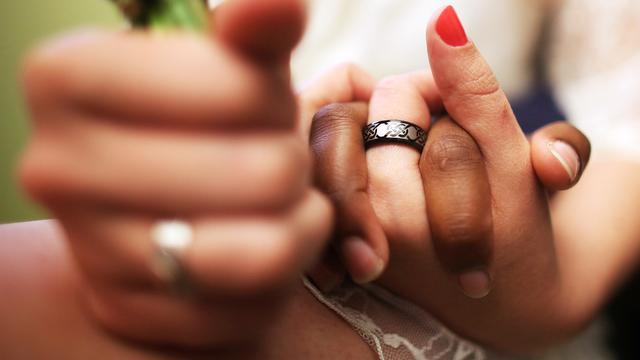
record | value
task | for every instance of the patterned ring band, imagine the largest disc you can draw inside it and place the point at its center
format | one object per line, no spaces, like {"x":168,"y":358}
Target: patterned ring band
{"x":394,"y":131}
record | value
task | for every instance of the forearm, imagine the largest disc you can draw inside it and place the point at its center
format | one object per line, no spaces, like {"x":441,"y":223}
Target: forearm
{"x":598,"y":235}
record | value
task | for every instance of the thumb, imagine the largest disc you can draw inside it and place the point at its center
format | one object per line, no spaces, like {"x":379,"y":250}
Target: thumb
{"x":559,"y":153}
{"x":473,"y":97}
{"x":265,"y":31}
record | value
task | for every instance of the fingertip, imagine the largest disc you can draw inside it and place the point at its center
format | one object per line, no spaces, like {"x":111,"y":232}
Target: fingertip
{"x":470,"y":90}
{"x":363,"y":264}
{"x":445,"y":29}
{"x":566,"y":156}
{"x":448,"y":26}
{"x":475,"y":284}
{"x":556,"y":164}
{"x":559,"y":154}
{"x":264,"y":30}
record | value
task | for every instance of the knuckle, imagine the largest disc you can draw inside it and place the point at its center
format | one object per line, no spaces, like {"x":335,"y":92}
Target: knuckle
{"x":480,"y":82}
{"x":43,"y":75}
{"x":483,"y":85}
{"x":391,"y":84}
{"x":39,"y":173}
{"x":347,"y":69}
{"x":333,"y":116}
{"x":53,"y":174}
{"x":453,"y":153}
{"x":462,"y":229}
{"x":29,"y":172}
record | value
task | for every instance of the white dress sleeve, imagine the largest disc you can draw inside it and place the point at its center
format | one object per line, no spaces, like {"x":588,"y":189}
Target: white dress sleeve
{"x":594,"y":69}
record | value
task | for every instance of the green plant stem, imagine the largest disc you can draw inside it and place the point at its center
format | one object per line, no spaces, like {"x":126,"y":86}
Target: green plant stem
{"x":165,"y":14}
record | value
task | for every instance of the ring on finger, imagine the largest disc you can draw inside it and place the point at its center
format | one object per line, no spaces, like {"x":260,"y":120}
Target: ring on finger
{"x":170,"y":239}
{"x":394,"y":131}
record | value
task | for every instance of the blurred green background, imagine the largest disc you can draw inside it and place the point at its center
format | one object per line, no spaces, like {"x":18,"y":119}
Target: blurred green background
{"x":24,"y":24}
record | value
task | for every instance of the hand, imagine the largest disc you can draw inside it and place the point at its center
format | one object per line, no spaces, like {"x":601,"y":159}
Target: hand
{"x":487,"y":220}
{"x":131,"y":129}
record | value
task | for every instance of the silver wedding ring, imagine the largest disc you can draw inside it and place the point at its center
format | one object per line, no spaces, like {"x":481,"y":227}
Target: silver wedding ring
{"x":170,"y":239}
{"x":394,"y":131}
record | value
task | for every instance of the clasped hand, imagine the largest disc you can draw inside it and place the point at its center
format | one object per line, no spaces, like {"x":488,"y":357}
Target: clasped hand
{"x":128,"y":129}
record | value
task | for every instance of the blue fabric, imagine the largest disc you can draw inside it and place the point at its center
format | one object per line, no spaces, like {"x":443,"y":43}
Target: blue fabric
{"x":536,"y":110}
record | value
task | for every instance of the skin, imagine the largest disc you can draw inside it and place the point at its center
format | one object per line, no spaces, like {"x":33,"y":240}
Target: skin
{"x":244,"y":297}
{"x":415,"y":271}
{"x":93,"y":162}
{"x":43,"y":289}
{"x":526,"y":311}
{"x":264,"y":203}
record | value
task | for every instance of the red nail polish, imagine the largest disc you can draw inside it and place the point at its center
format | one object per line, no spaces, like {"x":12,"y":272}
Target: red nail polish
{"x":450,"y":29}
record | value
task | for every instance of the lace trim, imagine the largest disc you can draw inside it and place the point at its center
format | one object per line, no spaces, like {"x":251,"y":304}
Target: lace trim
{"x":395,"y":329}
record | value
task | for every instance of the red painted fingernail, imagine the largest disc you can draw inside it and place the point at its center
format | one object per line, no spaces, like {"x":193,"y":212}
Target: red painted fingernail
{"x":450,"y":29}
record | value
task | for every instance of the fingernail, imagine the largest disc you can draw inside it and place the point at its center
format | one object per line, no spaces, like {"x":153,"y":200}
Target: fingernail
{"x":450,"y":29}
{"x":475,"y":284}
{"x":567,"y":157}
{"x":363,"y":263}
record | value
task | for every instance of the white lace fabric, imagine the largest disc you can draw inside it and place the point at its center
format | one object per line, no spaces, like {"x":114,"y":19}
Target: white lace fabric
{"x":395,"y":329}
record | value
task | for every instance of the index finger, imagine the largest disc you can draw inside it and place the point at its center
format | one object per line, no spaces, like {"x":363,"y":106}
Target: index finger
{"x":176,"y":79}
{"x":458,"y":199}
